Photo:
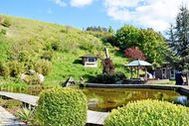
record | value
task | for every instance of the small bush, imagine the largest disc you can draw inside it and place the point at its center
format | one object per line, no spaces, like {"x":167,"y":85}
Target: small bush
{"x":149,"y":113}
{"x":32,"y":79}
{"x":15,"y":68}
{"x":43,"y":66}
{"x":12,"y":104}
{"x":6,"y":22}
{"x":55,"y":46}
{"x":108,"y":79}
{"x":47,"y":55}
{"x":3,"y":32}
{"x":23,"y":56}
{"x":62,"y":107}
{"x":2,"y":102}
{"x":26,"y":115}
{"x":4,"y":70}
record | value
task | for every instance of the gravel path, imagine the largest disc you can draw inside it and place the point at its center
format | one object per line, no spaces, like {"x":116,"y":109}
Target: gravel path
{"x":7,"y":119}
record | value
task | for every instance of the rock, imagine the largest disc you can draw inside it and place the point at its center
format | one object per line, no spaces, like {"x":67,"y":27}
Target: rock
{"x":183,"y":100}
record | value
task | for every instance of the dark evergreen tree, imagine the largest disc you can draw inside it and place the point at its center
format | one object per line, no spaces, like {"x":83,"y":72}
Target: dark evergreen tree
{"x":179,"y":39}
{"x":179,"y":36}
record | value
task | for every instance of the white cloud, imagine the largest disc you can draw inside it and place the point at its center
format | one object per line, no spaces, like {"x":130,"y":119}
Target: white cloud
{"x":80,"y":3}
{"x":157,"y":14}
{"x":61,"y":3}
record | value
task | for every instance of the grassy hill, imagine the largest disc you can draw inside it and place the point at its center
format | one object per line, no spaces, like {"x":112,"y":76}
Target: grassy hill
{"x":24,"y":42}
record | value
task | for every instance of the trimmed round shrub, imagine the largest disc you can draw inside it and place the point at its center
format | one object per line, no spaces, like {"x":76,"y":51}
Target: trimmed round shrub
{"x":149,"y":113}
{"x":62,"y":107}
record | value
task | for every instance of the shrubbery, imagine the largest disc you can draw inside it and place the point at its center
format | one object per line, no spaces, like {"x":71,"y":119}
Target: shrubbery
{"x":11,"y":104}
{"x":32,"y":79}
{"x":134,"y":53}
{"x":14,"y":87}
{"x":150,"y":42}
{"x":62,"y":107}
{"x":6,"y":22}
{"x":3,"y":32}
{"x":43,"y":66}
{"x":15,"y":68}
{"x":149,"y":113}
{"x":108,"y":79}
{"x":4,"y":70}
{"x":47,"y":55}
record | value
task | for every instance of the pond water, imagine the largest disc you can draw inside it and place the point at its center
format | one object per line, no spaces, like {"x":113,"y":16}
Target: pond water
{"x":103,"y":99}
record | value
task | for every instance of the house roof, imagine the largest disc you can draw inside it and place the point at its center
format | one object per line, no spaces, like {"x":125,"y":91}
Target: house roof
{"x":88,"y":56}
{"x":137,"y":63}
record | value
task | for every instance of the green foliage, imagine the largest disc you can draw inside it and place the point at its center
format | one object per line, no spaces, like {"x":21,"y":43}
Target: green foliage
{"x":179,"y":41}
{"x":2,"y":102}
{"x":149,"y":113}
{"x":108,"y":79}
{"x":13,"y":87}
{"x":43,"y":66}
{"x":128,"y":36}
{"x":15,"y":68}
{"x":62,"y":107}
{"x":12,"y":104}
{"x":4,"y":70}
{"x":4,"y":47}
{"x":26,"y":115}
{"x":6,"y":22}
{"x":32,"y":79}
{"x":98,"y":28}
{"x":3,"y":32}
{"x":151,"y":43}
{"x":27,"y":41}
{"x":47,"y":55}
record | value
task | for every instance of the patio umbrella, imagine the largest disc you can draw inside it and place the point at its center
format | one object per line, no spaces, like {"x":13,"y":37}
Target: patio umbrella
{"x":138,"y":64}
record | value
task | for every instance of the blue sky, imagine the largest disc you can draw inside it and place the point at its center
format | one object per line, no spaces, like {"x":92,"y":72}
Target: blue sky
{"x":49,"y":11}
{"x":157,"y":14}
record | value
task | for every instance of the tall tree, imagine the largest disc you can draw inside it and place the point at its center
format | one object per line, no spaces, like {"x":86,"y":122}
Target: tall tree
{"x":179,"y":39}
{"x":150,"y":42}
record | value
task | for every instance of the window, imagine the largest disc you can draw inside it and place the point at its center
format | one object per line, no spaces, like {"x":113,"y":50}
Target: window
{"x":91,"y":59}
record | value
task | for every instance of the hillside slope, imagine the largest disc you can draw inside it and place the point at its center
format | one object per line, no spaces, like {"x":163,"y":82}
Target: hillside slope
{"x":28,"y":41}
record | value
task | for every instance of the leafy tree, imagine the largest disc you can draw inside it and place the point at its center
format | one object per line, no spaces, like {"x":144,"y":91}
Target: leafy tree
{"x":134,"y":53}
{"x":150,"y":42}
{"x":111,"y":30}
{"x":128,"y":36}
{"x":97,"y":28}
{"x":153,"y":45}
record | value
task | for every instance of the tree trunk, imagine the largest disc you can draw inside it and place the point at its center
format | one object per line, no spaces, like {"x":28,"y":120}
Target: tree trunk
{"x":106,"y":53}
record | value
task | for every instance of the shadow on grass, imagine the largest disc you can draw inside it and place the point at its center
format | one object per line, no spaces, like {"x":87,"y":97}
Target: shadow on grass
{"x":77,"y":61}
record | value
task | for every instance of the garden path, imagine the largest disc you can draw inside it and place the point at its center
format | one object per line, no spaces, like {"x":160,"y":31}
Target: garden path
{"x":93,"y":117}
{"x":7,"y":119}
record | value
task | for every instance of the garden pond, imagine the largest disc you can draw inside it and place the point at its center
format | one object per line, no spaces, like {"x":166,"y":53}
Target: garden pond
{"x":106,"y":99}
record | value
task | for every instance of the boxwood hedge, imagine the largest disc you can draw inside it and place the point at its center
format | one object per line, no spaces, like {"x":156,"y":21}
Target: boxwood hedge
{"x":62,"y":107}
{"x":149,"y":113}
